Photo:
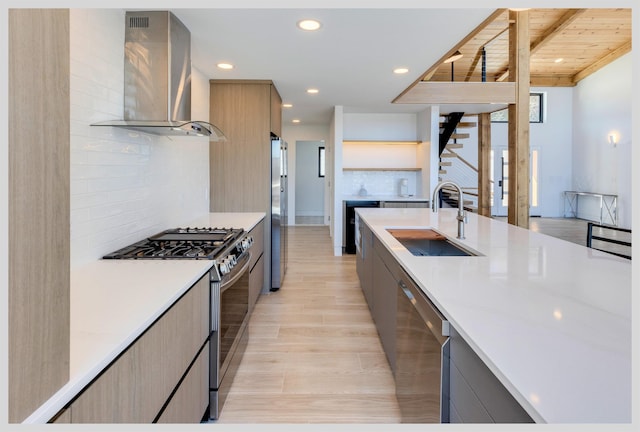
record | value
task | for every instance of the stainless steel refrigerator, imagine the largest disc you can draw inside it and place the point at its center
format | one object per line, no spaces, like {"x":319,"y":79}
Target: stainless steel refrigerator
{"x":278,"y":211}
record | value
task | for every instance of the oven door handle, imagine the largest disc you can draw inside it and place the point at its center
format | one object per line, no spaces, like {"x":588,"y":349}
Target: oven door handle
{"x":237,"y":274}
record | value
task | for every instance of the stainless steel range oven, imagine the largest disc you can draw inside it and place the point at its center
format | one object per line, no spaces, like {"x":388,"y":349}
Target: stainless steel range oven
{"x":230,"y":251}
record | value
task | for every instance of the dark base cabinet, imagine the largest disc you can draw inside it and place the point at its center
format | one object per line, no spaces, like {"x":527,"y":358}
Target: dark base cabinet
{"x":364,"y":261}
{"x":476,"y":395}
{"x":350,"y":222}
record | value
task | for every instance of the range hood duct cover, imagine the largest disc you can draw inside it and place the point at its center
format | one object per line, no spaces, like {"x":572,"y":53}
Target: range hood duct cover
{"x":157,"y":78}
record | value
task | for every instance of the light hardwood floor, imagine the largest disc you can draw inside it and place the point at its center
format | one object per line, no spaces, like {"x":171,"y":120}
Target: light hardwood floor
{"x":313,"y":355}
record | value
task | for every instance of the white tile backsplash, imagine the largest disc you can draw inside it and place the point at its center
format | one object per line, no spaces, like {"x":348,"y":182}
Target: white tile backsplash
{"x":379,"y":183}
{"x":125,"y":185}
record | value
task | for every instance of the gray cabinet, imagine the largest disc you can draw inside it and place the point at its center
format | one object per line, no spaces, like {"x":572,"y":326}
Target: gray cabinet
{"x":378,"y":273}
{"x":256,"y":264}
{"x":385,"y":279}
{"x":476,"y":395}
{"x":364,"y":260}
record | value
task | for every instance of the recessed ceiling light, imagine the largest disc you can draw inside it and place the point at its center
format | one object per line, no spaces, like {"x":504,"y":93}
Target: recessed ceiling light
{"x":309,"y":24}
{"x":400,"y":70}
{"x":312,"y":91}
{"x":558,"y":60}
{"x":295,"y":121}
{"x":287,"y":105}
{"x":226,"y":66}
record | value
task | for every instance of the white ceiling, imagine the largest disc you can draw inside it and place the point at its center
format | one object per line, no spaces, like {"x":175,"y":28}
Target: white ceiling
{"x":350,"y":59}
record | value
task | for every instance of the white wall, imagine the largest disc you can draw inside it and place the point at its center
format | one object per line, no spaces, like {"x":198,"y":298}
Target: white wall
{"x":554,"y":139}
{"x":334,"y":163}
{"x":602,"y":106}
{"x":124,"y":185}
{"x":428,"y":149}
{"x":380,"y":126}
{"x":309,"y":185}
{"x":292,"y":134}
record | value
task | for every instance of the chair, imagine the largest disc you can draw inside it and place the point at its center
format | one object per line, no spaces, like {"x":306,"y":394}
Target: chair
{"x":610,"y":239}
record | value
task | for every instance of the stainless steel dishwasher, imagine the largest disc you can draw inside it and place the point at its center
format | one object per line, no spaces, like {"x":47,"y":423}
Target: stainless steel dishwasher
{"x":422,"y":356}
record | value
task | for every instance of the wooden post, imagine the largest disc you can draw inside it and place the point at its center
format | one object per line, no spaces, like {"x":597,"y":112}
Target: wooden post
{"x":518,"y":208}
{"x":484,"y":163}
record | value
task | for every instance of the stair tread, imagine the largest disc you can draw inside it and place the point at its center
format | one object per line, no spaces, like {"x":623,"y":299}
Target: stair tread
{"x":460,"y":135}
{"x":445,"y":163}
{"x":455,"y":145}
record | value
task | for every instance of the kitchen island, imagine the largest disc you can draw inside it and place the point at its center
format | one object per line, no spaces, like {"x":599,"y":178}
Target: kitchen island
{"x":550,"y":319}
{"x":113,"y":303}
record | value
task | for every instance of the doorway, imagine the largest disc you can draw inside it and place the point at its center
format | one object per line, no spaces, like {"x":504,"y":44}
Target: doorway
{"x":309,"y":194}
{"x":499,"y":173}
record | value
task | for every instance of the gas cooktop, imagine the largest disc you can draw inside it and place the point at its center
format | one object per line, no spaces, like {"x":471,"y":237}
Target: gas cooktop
{"x":180,"y":243}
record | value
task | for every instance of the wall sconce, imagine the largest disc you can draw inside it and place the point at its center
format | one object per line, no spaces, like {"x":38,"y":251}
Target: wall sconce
{"x":613,"y":140}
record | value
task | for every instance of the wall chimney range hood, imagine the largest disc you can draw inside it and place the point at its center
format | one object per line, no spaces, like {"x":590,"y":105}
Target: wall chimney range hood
{"x":157,"y":78}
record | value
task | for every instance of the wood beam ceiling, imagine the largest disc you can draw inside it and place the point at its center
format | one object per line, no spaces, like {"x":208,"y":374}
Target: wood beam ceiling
{"x":555,"y":29}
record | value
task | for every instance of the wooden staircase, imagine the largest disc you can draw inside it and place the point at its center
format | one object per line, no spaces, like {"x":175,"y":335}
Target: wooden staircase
{"x":450,"y":126}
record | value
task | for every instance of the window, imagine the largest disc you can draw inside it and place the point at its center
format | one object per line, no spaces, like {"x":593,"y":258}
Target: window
{"x":535,"y":111}
{"x":320,"y":161}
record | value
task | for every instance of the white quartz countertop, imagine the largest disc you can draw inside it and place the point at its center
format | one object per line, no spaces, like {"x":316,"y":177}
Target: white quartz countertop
{"x":551,"y":319}
{"x":245,"y":221}
{"x":115,"y":301}
{"x":394,"y":198}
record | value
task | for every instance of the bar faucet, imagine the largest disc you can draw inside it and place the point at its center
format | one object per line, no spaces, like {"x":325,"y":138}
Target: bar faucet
{"x":462,"y":214}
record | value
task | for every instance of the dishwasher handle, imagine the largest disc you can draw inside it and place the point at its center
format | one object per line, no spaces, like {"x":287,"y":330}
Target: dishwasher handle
{"x":433,"y":319}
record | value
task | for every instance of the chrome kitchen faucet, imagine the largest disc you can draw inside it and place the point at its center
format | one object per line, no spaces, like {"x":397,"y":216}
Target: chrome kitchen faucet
{"x":462,"y":214}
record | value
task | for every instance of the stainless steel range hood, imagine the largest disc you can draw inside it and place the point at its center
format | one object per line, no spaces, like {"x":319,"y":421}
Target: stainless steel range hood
{"x":157,"y":78}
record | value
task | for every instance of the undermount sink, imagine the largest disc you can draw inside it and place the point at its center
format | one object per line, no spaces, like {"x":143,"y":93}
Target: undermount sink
{"x":427,"y":242}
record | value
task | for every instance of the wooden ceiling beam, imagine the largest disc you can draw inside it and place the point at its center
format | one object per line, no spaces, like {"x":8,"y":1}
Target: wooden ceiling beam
{"x":552,"y":80}
{"x":552,"y":31}
{"x":603,"y":61}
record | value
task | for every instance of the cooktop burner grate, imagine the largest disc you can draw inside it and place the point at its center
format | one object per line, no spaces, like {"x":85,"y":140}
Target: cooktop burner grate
{"x":181,"y":243}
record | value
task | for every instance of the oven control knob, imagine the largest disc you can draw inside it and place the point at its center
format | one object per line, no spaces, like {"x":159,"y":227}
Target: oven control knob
{"x":247,"y":242}
{"x":224,"y":268}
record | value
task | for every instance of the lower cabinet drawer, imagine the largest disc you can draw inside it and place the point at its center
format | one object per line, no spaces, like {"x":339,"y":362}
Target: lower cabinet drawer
{"x":135,"y":387}
{"x":476,"y":393}
{"x":191,"y":398}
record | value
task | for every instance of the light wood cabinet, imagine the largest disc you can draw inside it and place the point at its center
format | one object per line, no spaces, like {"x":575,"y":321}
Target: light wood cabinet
{"x":135,"y":387}
{"x":276,"y":112}
{"x":38,"y":210}
{"x":247,"y":111}
{"x":256,"y":265}
{"x":188,"y":403}
{"x":240,"y":168}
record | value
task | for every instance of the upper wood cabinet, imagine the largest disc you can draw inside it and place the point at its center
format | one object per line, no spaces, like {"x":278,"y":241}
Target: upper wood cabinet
{"x":247,"y":111}
{"x":39,"y":236}
{"x":276,"y":112}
